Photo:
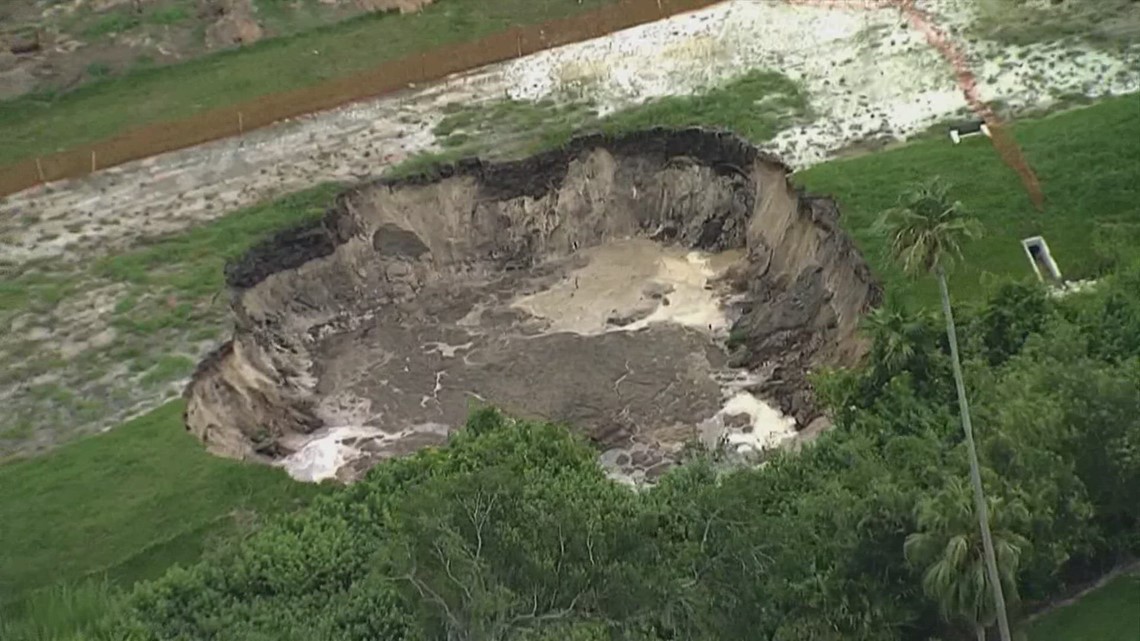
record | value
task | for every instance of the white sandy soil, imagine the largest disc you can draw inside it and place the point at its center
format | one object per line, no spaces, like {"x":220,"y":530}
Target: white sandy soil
{"x":868,"y":74}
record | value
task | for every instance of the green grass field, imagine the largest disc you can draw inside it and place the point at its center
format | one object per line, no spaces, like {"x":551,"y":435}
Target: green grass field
{"x":40,"y":125}
{"x":1111,"y":613}
{"x":757,"y":105}
{"x":127,"y":504}
{"x":1088,"y":162}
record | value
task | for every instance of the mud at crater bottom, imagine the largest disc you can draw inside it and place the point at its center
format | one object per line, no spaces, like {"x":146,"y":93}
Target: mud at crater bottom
{"x":645,"y":289}
{"x":624,"y":340}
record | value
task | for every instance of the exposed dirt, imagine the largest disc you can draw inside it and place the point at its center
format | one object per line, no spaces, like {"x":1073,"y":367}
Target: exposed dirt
{"x":234,"y":23}
{"x":649,"y":289}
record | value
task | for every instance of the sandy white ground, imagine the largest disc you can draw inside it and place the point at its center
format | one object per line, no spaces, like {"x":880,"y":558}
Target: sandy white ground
{"x":867,"y":73}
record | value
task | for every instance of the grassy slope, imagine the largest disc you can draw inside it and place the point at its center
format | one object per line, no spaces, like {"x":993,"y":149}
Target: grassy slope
{"x":130,"y":502}
{"x":41,"y":125}
{"x":1088,"y":161}
{"x":1112,"y":613}
{"x":516,"y":128}
{"x":757,"y":105}
{"x":190,"y":264}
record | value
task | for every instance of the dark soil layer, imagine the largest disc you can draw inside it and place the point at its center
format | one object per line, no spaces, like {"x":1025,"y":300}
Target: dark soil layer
{"x":402,"y":306}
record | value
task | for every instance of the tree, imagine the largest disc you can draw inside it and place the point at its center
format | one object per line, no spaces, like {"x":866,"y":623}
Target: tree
{"x":907,"y":343}
{"x":495,"y":555}
{"x":926,"y":231}
{"x":947,"y":548}
{"x":1010,"y":317}
{"x":898,"y":338}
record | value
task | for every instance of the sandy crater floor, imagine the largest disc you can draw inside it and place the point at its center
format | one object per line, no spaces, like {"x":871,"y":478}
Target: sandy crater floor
{"x":647,"y":322}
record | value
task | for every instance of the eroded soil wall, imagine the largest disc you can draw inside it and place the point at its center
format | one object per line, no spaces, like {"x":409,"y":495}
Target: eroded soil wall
{"x":397,"y":256}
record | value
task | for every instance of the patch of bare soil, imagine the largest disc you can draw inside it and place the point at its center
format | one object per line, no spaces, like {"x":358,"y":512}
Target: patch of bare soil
{"x":234,"y":23}
{"x":651,"y":290}
{"x":403,"y":6}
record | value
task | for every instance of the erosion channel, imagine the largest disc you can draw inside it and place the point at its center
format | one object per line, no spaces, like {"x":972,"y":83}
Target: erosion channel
{"x":648,"y":289}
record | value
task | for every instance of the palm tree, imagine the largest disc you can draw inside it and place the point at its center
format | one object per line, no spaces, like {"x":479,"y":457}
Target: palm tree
{"x":947,"y":546}
{"x":926,"y":232}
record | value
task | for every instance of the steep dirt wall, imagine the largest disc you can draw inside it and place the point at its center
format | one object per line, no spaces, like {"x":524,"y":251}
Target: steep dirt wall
{"x":429,"y":249}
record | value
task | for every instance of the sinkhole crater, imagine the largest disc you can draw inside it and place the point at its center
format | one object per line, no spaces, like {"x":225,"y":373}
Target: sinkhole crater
{"x":646,"y":289}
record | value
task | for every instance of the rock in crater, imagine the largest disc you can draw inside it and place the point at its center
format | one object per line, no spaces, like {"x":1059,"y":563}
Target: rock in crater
{"x":647,"y":289}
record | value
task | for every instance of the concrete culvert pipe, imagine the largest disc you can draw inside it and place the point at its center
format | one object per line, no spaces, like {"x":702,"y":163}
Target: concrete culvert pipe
{"x":647,"y":289}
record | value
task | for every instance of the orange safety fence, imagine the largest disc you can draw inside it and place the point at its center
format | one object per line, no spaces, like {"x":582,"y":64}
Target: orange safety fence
{"x":386,"y":78}
{"x":440,"y":63}
{"x":1004,"y":143}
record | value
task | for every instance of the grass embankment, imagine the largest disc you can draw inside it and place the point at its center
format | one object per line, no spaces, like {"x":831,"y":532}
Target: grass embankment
{"x":40,"y":125}
{"x":1111,"y":613}
{"x":1088,"y":162}
{"x":1107,"y":24}
{"x":128,"y":504}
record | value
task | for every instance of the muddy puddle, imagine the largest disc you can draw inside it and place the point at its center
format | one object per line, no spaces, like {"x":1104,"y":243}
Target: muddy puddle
{"x":628,"y":285}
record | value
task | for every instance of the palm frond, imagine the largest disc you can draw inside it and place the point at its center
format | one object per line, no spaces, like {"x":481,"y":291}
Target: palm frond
{"x":926,"y":230}
{"x":948,"y":545}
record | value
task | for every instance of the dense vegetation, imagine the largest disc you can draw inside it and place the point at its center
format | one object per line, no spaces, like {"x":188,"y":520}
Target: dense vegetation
{"x":512,"y":531}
